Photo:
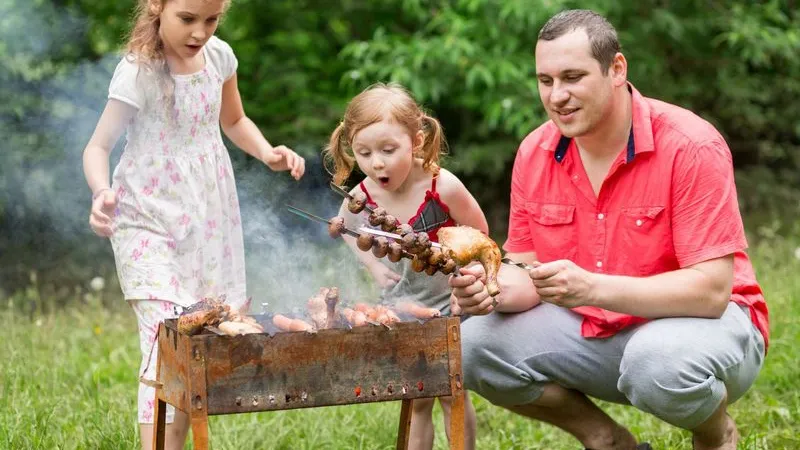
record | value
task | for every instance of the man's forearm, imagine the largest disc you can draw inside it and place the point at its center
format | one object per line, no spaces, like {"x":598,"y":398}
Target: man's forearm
{"x":685,"y":292}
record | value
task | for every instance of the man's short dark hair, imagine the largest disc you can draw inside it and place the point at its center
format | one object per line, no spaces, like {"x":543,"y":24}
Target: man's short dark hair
{"x":602,"y":35}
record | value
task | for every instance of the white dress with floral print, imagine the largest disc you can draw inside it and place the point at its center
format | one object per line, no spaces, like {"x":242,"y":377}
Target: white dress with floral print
{"x":177,"y":229}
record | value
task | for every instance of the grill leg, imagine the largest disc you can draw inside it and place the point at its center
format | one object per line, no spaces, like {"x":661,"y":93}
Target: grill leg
{"x":200,"y":431}
{"x":457,"y":421}
{"x":160,"y":424}
{"x":405,"y":425}
{"x":160,"y":411}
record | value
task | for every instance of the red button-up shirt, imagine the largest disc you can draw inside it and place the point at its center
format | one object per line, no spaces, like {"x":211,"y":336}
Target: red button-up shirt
{"x":668,"y":202}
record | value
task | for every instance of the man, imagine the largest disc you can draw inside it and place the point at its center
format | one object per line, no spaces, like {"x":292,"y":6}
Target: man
{"x":641,"y":292}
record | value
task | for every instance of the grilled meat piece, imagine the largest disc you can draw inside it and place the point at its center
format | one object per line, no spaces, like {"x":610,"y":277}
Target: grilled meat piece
{"x":336,"y":227}
{"x":465,"y":244}
{"x":207,"y":311}
{"x":395,"y":251}
{"x":365,"y":241}
{"x":377,"y":216}
{"x":331,"y":299}
{"x":449,"y":267}
{"x":404,"y":229}
{"x":389,"y":224}
{"x":381,"y":247}
{"x":418,"y":264}
{"x":357,"y":203}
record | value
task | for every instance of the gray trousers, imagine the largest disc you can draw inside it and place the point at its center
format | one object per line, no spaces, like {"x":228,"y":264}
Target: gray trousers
{"x":678,"y":369}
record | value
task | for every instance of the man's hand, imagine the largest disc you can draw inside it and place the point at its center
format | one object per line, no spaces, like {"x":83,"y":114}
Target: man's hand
{"x":563,"y":283}
{"x":469,"y":292}
{"x":282,"y":158}
{"x":100,"y":218}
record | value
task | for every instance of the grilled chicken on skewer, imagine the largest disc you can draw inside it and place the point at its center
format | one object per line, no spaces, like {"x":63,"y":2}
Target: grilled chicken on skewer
{"x":466,"y":244}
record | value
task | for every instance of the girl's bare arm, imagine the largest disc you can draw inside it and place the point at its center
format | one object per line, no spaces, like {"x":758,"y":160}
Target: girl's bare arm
{"x":110,"y":127}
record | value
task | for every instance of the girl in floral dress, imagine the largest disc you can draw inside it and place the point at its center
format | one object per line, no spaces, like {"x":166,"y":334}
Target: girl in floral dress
{"x":171,"y":209}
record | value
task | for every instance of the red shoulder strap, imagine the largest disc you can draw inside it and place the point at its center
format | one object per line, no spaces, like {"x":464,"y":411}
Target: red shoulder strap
{"x":364,"y":189}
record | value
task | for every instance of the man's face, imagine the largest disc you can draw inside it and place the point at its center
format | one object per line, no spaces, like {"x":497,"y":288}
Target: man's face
{"x":573,"y":89}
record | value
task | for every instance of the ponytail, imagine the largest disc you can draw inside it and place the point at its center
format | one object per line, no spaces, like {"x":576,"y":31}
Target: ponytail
{"x":336,"y":155}
{"x":434,"y":145}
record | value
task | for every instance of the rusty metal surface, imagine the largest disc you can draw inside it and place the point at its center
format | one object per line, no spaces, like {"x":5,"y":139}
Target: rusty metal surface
{"x":457,"y":415}
{"x":173,"y":352}
{"x":257,"y":372}
{"x":198,"y":395}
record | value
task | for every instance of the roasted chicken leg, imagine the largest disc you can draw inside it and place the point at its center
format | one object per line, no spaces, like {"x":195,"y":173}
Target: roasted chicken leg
{"x":466,"y":244}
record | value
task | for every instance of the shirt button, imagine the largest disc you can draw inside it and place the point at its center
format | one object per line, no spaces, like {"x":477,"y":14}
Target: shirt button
{"x":575,"y":177}
{"x":599,"y":264}
{"x":600,"y":216}
{"x":639,"y":222}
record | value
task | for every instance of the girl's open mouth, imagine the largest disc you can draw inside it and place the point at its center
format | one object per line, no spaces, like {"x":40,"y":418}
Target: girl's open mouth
{"x":383,"y":180}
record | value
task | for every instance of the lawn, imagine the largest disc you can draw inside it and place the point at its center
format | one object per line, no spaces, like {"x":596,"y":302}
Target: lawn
{"x":68,"y":381}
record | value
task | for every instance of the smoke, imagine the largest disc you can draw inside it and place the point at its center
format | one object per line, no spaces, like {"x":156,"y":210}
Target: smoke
{"x":49,"y":107}
{"x":289,"y":258}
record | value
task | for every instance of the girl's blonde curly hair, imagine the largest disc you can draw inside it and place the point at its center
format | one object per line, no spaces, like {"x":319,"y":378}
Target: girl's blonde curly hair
{"x":145,"y":46}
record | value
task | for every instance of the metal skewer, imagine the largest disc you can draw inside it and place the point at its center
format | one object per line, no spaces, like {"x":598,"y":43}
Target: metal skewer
{"x":309,"y":216}
{"x":341,"y":191}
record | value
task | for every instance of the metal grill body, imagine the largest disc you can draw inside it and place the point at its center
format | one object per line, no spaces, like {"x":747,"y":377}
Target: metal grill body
{"x":209,"y":374}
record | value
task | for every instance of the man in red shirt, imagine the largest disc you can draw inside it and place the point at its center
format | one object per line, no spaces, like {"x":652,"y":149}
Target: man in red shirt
{"x":641,"y":291}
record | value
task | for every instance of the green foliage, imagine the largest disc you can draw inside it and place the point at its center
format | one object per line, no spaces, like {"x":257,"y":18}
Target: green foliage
{"x":470,"y":62}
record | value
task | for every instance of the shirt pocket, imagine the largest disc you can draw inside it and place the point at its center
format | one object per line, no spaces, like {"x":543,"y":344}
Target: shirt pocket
{"x":645,"y":241}
{"x":553,"y":231}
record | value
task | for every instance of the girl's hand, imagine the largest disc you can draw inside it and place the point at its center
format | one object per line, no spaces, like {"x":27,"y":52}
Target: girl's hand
{"x":103,"y":207}
{"x":283,"y":158}
{"x":384,"y":276}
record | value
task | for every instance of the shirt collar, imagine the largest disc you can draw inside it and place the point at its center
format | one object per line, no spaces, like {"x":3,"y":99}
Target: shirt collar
{"x":640,"y":140}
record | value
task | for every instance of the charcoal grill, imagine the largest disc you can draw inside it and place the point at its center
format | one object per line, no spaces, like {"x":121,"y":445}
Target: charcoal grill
{"x":210,"y":374}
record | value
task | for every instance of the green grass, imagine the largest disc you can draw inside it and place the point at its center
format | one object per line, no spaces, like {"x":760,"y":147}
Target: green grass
{"x":68,"y":381}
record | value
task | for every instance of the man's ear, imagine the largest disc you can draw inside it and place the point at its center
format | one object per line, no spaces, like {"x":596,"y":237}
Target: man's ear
{"x":619,"y":69}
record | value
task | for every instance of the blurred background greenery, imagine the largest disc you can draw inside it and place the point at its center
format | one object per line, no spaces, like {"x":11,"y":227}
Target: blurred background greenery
{"x":470,"y":62}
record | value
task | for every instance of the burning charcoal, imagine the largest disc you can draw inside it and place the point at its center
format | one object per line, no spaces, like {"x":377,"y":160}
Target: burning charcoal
{"x":404,"y":229}
{"x":418,"y":265}
{"x":395,"y":251}
{"x":365,"y":241}
{"x":357,"y":203}
{"x":436,"y":257}
{"x":449,"y":267}
{"x":389,"y":223}
{"x":377,"y":216}
{"x":381,"y":247}
{"x":336,"y":227}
